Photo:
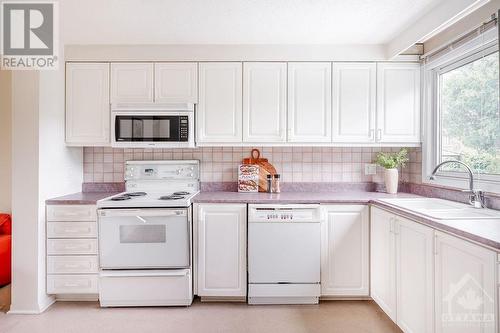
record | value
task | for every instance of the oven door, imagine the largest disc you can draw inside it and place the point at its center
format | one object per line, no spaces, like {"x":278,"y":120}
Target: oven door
{"x":144,"y":238}
{"x":152,"y":129}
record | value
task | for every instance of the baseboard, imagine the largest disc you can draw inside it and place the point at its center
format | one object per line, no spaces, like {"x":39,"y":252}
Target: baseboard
{"x":208,"y":299}
{"x":345,"y":298}
{"x":49,"y":301}
{"x":77,"y":298}
{"x":41,"y":309}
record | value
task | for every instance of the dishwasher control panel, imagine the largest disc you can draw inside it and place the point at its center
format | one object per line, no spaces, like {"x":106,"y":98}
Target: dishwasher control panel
{"x":284,"y":213}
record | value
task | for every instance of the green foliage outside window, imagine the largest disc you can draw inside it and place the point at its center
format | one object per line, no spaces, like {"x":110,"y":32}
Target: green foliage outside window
{"x":470,"y":122}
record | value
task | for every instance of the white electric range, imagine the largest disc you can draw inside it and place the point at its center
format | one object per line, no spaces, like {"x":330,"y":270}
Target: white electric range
{"x":145,"y":236}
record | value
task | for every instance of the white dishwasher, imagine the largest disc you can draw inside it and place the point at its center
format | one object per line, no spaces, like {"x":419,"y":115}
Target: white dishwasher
{"x":284,"y":254}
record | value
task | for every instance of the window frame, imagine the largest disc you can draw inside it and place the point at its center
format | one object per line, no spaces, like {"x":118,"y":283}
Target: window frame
{"x":475,"y":49}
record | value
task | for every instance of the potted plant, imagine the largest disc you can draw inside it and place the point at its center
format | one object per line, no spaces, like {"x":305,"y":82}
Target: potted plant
{"x":391,"y":162}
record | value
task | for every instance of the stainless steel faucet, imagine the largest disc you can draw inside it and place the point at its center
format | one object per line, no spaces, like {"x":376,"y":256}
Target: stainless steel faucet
{"x":476,"y":197}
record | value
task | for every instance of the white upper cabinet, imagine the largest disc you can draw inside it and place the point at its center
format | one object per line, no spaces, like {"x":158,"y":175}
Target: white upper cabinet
{"x":398,"y":102}
{"x":176,"y":82}
{"x":87,"y":104}
{"x":132,"y":83}
{"x":219,"y":113}
{"x":466,"y":288}
{"x":354,"y":102}
{"x":264,"y":102}
{"x":309,"y":102}
{"x":345,"y":250}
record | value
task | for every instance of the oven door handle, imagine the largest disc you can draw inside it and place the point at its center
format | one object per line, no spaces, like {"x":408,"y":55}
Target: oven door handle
{"x":143,"y":220}
{"x":104,"y":273}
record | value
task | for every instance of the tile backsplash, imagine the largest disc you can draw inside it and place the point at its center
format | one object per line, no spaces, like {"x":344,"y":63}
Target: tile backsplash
{"x":219,"y":164}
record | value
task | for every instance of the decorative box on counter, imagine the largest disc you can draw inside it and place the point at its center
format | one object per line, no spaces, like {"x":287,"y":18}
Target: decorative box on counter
{"x":248,"y":178}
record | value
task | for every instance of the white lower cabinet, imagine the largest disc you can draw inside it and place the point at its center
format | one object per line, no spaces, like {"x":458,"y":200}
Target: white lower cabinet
{"x":465,"y":287}
{"x":72,"y":262}
{"x":429,"y":281}
{"x":414,"y":276}
{"x":221,"y":250}
{"x":383,"y":261}
{"x":345,"y":250}
{"x":402,"y":270}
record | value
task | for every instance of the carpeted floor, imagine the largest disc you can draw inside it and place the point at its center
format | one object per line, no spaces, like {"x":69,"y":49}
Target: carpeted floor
{"x":85,"y":317}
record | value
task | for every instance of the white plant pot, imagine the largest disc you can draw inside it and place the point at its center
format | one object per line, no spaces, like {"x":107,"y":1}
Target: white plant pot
{"x":391,"y":180}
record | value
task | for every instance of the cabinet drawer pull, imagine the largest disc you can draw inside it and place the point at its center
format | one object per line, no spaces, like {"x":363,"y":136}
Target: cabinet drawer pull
{"x":77,"y":247}
{"x":75,"y":230}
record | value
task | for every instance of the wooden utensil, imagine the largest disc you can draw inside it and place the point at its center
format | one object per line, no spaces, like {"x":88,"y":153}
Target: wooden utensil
{"x":265,"y":168}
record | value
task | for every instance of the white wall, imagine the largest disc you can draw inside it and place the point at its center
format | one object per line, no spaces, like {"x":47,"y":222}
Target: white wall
{"x":25,"y":198}
{"x":43,"y":167}
{"x":5,"y":140}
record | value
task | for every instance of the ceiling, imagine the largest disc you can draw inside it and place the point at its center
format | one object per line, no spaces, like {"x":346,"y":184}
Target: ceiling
{"x":238,"y":21}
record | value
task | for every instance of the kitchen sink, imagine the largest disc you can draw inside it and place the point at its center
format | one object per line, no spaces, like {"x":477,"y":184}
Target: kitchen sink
{"x":443,"y":209}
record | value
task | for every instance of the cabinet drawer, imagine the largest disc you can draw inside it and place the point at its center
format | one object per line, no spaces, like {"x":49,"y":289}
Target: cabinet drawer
{"x":72,"y":264}
{"x":71,"y":246}
{"x":71,"y":213}
{"x":72,"y":284}
{"x":71,"y":229}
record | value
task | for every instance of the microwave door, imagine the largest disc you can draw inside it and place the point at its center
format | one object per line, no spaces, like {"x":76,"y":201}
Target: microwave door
{"x":138,"y":129}
{"x":146,"y":130}
{"x":163,"y":128}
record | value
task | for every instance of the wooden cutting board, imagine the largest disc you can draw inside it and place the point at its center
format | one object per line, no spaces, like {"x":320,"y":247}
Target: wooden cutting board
{"x":265,"y":168}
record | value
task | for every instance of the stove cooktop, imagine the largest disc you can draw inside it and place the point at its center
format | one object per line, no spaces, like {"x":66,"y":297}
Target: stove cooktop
{"x":147,"y":199}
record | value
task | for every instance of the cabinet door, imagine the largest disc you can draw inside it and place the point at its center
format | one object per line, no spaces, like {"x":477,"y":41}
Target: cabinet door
{"x":87,"y":104}
{"x":132,"y":83}
{"x":398,"y":103}
{"x":465,"y":286}
{"x":383,"y":265}
{"x":219,"y":114}
{"x":222,"y":250}
{"x":309,"y":102}
{"x":176,"y":82}
{"x":354,"y":102}
{"x":344,"y":251}
{"x":415,"y":276}
{"x":264,"y":102}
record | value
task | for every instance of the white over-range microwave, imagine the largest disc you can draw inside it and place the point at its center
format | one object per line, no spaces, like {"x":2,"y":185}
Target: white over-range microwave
{"x":152,"y":125}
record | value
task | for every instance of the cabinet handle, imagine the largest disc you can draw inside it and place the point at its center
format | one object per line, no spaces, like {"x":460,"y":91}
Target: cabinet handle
{"x":379,"y":134}
{"x":391,"y":225}
{"x":436,"y":245}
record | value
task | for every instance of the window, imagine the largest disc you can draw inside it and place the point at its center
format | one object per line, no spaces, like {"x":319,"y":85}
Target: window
{"x":468,"y":121}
